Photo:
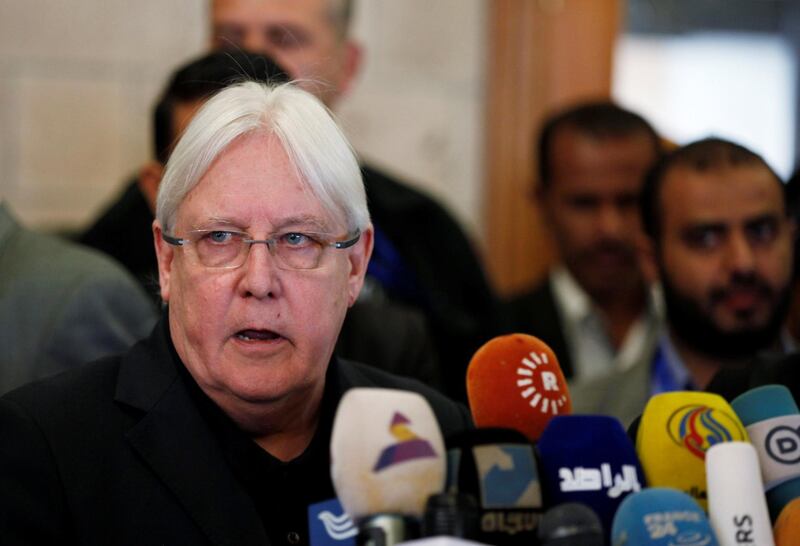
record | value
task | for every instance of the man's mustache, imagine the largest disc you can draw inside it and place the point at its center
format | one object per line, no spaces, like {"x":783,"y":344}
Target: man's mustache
{"x":611,"y":246}
{"x":751,"y":282}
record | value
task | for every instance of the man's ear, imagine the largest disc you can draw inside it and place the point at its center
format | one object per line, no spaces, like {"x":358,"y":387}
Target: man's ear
{"x":359,"y":256}
{"x":646,"y":252}
{"x":149,"y":179}
{"x":165,"y":252}
{"x":351,"y":65}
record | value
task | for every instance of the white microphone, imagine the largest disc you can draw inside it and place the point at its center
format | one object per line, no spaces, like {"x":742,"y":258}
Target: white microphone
{"x":387,"y":458}
{"x":737,"y":507}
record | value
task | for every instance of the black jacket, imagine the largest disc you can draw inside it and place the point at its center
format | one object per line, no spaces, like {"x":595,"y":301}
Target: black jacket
{"x":117,"y":452}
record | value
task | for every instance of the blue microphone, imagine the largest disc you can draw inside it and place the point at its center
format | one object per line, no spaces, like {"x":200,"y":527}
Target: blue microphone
{"x":588,"y":459}
{"x":661,"y":516}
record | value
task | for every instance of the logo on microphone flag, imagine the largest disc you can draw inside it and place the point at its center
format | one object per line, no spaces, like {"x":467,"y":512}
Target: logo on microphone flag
{"x":547,"y":396}
{"x":697,"y":427}
{"x":329,"y":525}
{"x":508,"y":476}
{"x":409,"y":446}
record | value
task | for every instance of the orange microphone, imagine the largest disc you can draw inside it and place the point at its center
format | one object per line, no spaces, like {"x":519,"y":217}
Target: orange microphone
{"x":787,"y":527}
{"x":514,"y":381}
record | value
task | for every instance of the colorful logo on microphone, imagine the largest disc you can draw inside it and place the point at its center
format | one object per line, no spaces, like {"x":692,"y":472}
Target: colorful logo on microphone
{"x":547,"y":397}
{"x":409,"y":446}
{"x":698,"y":427}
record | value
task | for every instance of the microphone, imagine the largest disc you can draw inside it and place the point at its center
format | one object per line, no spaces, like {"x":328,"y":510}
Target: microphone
{"x":451,"y":514}
{"x":772,"y":419}
{"x":661,"y":516}
{"x":676,"y":430}
{"x":588,"y":459}
{"x":736,"y":504}
{"x":514,"y":381}
{"x":497,"y":467}
{"x":787,"y":525}
{"x":571,"y":524}
{"x":387,"y":458}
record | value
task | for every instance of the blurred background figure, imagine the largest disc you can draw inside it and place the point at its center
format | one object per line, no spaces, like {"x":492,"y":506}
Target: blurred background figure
{"x":595,"y":308}
{"x":61,"y":305}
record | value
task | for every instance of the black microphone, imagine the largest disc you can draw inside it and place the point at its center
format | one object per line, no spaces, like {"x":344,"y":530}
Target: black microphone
{"x":498,"y":467}
{"x":453,"y":514}
{"x":570,"y":524}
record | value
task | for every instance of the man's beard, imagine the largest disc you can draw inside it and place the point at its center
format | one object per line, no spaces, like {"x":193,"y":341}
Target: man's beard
{"x":695,"y":327}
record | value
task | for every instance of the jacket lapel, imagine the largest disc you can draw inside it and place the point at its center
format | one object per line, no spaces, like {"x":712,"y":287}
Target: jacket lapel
{"x":178,"y":446}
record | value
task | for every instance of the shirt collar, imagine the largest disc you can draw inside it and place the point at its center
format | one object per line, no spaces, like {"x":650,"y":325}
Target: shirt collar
{"x":572,"y":299}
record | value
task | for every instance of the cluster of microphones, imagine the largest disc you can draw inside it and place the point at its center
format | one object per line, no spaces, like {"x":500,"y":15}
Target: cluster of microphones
{"x":692,"y":470}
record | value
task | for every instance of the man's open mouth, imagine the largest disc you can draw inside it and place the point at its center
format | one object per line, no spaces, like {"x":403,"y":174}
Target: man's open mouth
{"x":257,"y":335}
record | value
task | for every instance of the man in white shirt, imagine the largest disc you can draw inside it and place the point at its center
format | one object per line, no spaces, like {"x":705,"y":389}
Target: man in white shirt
{"x":595,"y":308}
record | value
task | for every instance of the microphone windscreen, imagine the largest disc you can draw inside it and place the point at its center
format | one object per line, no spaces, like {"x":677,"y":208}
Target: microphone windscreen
{"x":571,"y":524}
{"x":772,"y":419}
{"x":661,"y":516}
{"x":387,"y":453}
{"x":514,"y":381}
{"x":498,"y":468}
{"x":787,"y":526}
{"x":737,"y":508}
{"x":676,"y":430}
{"x":588,"y":459}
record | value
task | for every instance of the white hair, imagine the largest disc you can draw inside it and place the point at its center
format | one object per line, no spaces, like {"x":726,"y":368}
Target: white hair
{"x":305,"y":128}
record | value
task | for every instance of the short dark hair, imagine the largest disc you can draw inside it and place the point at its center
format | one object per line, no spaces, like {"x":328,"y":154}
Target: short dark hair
{"x":599,"y":119}
{"x":201,"y":78}
{"x":707,"y":155}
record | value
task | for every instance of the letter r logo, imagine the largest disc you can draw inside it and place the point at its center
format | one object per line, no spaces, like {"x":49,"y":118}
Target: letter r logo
{"x":549,"y":381}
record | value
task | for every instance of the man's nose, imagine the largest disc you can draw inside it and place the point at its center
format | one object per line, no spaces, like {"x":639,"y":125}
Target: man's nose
{"x":611,"y":221}
{"x":260,"y":269}
{"x":739,"y":253}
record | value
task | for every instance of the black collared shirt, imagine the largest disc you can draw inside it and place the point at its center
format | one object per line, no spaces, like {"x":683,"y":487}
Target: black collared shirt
{"x":281,"y":491}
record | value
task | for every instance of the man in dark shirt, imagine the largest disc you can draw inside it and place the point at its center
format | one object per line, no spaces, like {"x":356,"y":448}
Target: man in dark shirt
{"x":594,"y":308}
{"x":216,"y":428}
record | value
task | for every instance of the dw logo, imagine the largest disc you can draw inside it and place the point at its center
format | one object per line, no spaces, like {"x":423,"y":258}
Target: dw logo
{"x":783,"y":444}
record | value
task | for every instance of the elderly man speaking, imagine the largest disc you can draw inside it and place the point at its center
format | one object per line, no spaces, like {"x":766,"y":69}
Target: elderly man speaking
{"x":216,"y":428}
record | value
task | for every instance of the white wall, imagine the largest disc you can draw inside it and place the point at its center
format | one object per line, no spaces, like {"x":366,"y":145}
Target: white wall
{"x":78,"y":78}
{"x":736,"y":86}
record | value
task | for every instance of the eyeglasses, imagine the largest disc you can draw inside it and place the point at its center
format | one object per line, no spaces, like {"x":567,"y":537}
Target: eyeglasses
{"x":225,"y":249}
